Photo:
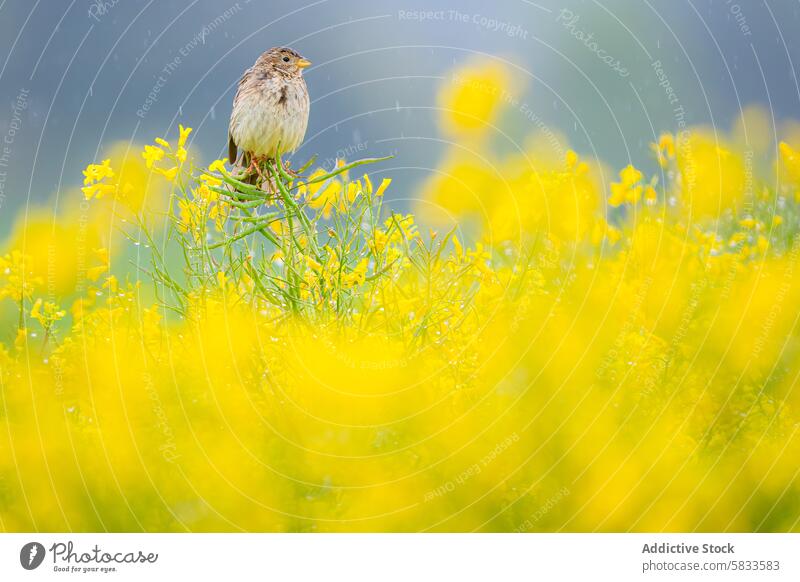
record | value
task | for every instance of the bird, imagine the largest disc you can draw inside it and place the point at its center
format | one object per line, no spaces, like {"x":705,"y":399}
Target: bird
{"x":270,"y":110}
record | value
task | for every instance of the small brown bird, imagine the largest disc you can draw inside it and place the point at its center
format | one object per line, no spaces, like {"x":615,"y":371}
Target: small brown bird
{"x":270,"y":110}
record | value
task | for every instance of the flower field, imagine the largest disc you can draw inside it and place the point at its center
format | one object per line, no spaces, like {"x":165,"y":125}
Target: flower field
{"x":541,"y":344}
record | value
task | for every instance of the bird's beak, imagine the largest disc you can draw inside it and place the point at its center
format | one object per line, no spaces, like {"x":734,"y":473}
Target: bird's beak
{"x":303,"y":63}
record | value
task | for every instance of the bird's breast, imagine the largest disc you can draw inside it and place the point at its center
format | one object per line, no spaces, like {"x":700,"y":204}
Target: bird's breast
{"x":270,"y":114}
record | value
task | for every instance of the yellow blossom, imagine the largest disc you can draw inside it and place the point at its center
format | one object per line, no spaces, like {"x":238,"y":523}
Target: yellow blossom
{"x":357,"y":276}
{"x":630,"y":176}
{"x":98,"y":190}
{"x":650,"y":195}
{"x":97,"y":172}
{"x":473,"y":97}
{"x":664,"y":149}
{"x":152,"y":154}
{"x":713,"y":176}
{"x":170,"y":174}
{"x":790,"y":158}
{"x":628,"y":190}
{"x":383,"y":186}
{"x":183,"y":135}
{"x":379,"y":241}
{"x":46,"y":313}
{"x":326,"y":199}
{"x":94,"y":273}
{"x":218,"y":166}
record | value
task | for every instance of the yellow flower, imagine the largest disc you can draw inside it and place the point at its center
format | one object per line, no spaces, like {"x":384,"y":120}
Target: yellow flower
{"x":382,"y":188}
{"x":191,"y":215}
{"x":480,"y":258}
{"x":664,"y":149}
{"x":169,"y":174}
{"x":21,"y":339}
{"x":628,"y":190}
{"x":210,"y":180}
{"x":97,"y":172}
{"x":379,"y":241}
{"x":458,"y":248}
{"x":571,"y":159}
{"x":604,"y":231}
{"x":134,"y":184}
{"x":98,"y":190}
{"x":55,"y":246}
{"x":401,"y":227}
{"x":93,"y":273}
{"x":46,"y":314}
{"x":327,"y":198}
{"x":357,"y":276}
{"x":184,"y":134}
{"x":713,"y":178}
{"x":278,"y":227}
{"x":313,"y":264}
{"x":19,"y":278}
{"x":152,"y":154}
{"x":112,"y":284}
{"x":315,"y":187}
{"x":218,"y":166}
{"x":36,"y":310}
{"x":351,"y":192}
{"x":737,"y":238}
{"x":473,"y":99}
{"x":650,"y":195}
{"x":791,"y":161}
{"x":95,"y":176}
{"x":630,"y":176}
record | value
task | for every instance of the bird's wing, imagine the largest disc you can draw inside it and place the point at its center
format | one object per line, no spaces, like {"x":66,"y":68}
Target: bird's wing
{"x":232,"y":147}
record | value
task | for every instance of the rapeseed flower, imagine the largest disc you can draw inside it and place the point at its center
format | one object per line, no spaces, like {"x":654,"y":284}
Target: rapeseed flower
{"x":320,"y":361}
{"x":471,"y":102}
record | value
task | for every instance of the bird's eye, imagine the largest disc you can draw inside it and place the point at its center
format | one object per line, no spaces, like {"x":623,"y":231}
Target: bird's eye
{"x":285,"y":59}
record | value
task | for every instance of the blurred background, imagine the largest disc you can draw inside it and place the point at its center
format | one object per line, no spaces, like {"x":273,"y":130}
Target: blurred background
{"x":602,"y":77}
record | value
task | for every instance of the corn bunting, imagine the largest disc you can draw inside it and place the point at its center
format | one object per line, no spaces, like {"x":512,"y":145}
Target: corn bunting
{"x":270,"y":110}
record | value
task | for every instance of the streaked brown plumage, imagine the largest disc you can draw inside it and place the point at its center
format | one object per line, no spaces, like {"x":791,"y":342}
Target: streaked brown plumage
{"x":270,"y":109}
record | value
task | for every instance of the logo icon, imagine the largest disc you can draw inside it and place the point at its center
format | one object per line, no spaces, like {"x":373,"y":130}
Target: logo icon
{"x":31,"y":555}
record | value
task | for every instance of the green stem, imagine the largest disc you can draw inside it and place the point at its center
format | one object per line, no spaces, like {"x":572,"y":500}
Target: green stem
{"x":342,"y":169}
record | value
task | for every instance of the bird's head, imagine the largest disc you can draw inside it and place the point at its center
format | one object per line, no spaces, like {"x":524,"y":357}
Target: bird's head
{"x":285,"y":60}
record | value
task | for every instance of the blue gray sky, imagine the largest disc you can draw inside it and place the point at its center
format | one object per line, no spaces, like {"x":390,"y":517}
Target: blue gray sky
{"x":76,"y":76}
